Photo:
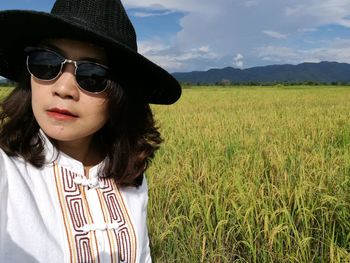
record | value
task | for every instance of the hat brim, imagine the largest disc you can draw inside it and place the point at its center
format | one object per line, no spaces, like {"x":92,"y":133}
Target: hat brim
{"x":21,"y":28}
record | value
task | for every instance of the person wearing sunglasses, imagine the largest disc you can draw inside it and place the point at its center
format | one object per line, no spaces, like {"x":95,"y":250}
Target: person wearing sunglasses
{"x":76,"y":134}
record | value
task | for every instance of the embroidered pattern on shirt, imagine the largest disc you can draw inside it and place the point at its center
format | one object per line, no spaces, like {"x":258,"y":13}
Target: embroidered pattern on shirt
{"x":81,"y":230}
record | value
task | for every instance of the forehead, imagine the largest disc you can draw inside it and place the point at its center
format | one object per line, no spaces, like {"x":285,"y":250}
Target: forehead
{"x":76,"y":50}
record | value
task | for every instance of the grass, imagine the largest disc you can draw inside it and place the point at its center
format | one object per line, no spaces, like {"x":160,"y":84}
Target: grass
{"x":252,"y":175}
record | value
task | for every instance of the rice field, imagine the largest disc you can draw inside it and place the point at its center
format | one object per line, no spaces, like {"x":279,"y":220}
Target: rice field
{"x":252,"y":174}
{"x":4,"y":91}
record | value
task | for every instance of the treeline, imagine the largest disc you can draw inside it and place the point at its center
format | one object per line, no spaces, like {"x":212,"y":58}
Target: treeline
{"x":230,"y":83}
{"x":7,"y":83}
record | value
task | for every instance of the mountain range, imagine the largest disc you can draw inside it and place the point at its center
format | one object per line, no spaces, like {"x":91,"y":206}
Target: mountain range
{"x":322,"y":72}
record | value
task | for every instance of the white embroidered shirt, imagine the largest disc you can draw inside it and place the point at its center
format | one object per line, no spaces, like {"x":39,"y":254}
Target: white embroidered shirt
{"x":58,"y":214}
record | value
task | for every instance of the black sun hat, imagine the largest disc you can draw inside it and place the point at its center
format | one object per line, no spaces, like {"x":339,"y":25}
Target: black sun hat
{"x":101,"y":22}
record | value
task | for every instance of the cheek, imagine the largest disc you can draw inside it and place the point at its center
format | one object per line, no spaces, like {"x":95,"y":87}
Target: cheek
{"x":40,"y":91}
{"x":104,"y":113}
{"x":99,"y":111}
{"x":38,"y":98}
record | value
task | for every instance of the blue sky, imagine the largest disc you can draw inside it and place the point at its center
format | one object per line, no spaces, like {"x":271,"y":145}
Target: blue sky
{"x":186,"y":35}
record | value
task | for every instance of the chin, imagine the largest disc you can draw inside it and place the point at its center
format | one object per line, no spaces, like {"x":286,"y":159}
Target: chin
{"x":62,"y":134}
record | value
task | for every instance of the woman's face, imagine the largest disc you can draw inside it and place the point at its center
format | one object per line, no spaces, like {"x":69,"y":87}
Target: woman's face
{"x":64,"y":111}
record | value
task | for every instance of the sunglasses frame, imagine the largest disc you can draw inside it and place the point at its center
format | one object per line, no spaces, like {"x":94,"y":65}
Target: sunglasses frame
{"x":76,"y":64}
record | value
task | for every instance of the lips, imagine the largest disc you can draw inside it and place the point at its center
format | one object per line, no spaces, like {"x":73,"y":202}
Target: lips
{"x":61,"y":114}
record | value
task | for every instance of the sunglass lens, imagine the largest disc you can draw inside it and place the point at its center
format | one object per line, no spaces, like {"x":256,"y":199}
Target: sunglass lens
{"x":92,"y":77}
{"x":43,"y":64}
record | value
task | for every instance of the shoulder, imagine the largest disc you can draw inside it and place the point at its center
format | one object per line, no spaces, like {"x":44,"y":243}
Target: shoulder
{"x":6,"y":161}
{"x":138,"y":191}
{"x":3,"y":172}
{"x":15,"y":166}
{"x":2,"y":153}
{"x":136,"y":198}
{"x":3,"y":158}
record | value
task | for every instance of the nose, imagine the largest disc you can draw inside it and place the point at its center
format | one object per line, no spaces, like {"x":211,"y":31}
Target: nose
{"x":65,"y":85}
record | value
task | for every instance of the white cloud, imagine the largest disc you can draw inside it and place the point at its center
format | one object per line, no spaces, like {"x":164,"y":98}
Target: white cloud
{"x":344,"y":22}
{"x":238,"y":61}
{"x":204,"y":49}
{"x":276,"y":54}
{"x":250,"y":3}
{"x":174,"y":59}
{"x":239,"y":64}
{"x":239,"y":56}
{"x":319,"y":12}
{"x":150,"y":14}
{"x":307,"y":29}
{"x":338,"y":50}
{"x":274,"y":34}
{"x":265,"y":31}
{"x":176,"y":5}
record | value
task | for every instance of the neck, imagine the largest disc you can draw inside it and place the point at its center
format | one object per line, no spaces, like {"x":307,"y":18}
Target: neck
{"x":83,"y":150}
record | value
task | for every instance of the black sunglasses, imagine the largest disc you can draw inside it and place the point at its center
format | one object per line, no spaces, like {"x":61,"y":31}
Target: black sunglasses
{"x":46,"y":65}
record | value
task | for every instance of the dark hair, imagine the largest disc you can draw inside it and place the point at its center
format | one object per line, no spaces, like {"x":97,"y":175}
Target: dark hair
{"x":129,"y":139}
